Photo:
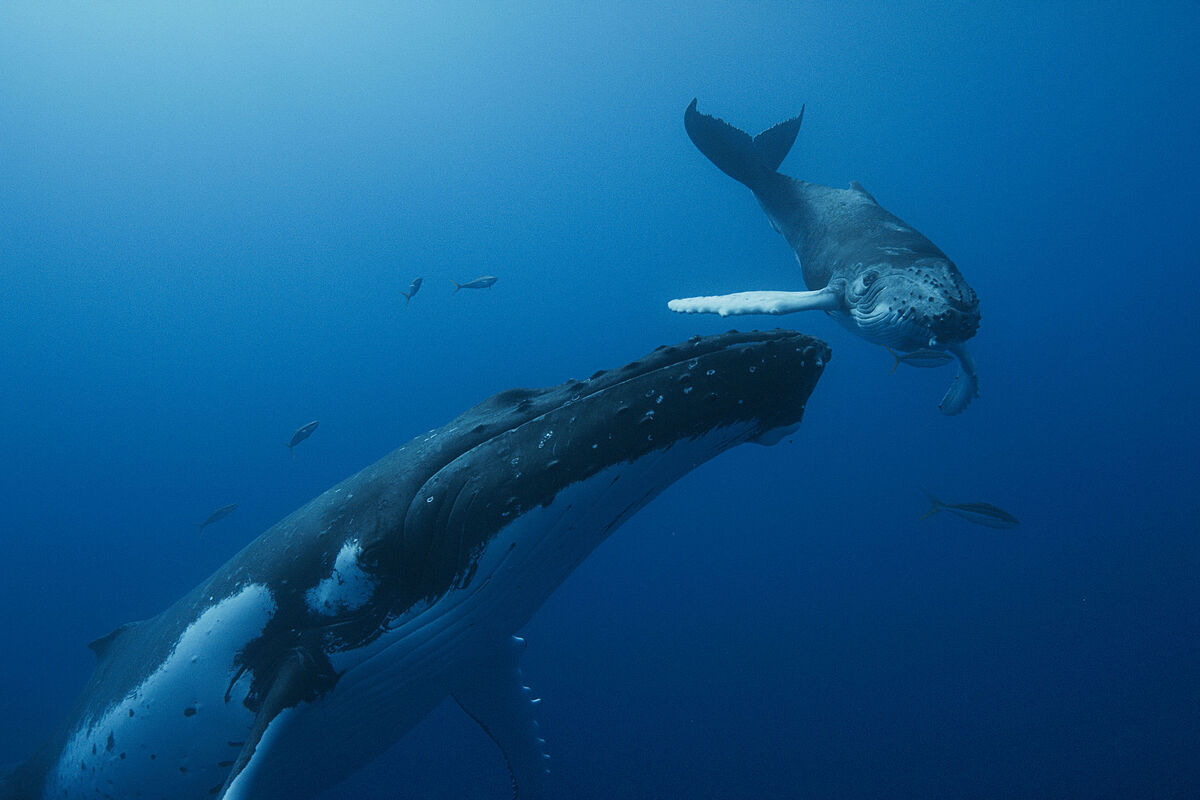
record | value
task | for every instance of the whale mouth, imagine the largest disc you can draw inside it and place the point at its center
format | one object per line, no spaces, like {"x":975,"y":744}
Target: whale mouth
{"x":898,"y":329}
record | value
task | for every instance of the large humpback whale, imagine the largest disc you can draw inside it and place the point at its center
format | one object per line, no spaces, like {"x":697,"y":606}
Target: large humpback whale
{"x":334,"y":632}
{"x":868,"y":269}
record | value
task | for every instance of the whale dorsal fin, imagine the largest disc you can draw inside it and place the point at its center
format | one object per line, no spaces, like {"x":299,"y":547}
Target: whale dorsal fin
{"x":101,"y":646}
{"x":855,"y":186}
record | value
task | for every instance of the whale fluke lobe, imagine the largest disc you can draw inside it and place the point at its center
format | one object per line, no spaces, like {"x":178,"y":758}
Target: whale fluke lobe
{"x":747,"y":159}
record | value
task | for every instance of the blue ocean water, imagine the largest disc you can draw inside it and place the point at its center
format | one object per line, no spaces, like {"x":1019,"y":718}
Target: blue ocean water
{"x":207,"y":213}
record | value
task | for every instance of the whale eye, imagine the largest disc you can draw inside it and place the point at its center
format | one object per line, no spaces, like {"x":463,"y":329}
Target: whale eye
{"x":868,"y":278}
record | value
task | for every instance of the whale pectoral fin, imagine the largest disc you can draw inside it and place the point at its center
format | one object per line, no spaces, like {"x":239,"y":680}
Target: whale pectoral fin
{"x":965,"y":387}
{"x":960,"y":394}
{"x":826,"y":299}
{"x":300,"y":677}
{"x":492,"y":694}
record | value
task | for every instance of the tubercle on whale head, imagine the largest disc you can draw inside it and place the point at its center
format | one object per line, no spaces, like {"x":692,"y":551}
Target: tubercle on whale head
{"x":923,"y":304}
{"x":721,"y":390}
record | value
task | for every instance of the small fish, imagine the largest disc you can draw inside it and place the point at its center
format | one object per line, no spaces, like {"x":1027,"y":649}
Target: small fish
{"x":302,"y":433}
{"x":413,"y":288}
{"x":921,"y":357}
{"x":985,"y":514}
{"x":216,"y":516}
{"x":478,"y":283}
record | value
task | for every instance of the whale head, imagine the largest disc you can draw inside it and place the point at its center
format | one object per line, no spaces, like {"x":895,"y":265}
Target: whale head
{"x":634,"y":429}
{"x":925,"y":304}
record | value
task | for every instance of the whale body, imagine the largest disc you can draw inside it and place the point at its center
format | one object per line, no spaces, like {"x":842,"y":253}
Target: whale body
{"x":867,"y":268}
{"x":338,"y":629}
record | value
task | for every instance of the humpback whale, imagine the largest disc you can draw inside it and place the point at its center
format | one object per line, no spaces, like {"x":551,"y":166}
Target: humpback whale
{"x":865,"y":267}
{"x":333,"y":633}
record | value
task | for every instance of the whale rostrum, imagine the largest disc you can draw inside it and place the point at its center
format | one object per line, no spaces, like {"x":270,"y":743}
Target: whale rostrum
{"x":338,"y":629}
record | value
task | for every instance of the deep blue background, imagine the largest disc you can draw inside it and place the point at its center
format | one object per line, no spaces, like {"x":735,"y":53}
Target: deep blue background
{"x":206,"y":215}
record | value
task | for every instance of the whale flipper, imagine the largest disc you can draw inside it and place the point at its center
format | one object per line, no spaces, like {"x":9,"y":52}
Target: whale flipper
{"x":827,"y":299}
{"x":960,"y":394}
{"x":965,"y":387}
{"x":299,"y":677}
{"x":494,"y":695}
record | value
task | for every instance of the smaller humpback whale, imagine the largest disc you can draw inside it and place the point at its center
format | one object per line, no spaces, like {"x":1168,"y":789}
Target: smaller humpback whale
{"x":302,"y":433}
{"x":865,"y":267}
{"x":413,"y":288}
{"x":331,"y":635}
{"x":479,"y":283}
{"x":216,"y":516}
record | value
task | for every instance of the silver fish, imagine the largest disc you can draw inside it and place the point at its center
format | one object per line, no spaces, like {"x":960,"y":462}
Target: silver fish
{"x":985,"y":514}
{"x":413,"y":288}
{"x":302,"y":433}
{"x":216,"y":516}
{"x":479,"y":283}
{"x":921,"y":357}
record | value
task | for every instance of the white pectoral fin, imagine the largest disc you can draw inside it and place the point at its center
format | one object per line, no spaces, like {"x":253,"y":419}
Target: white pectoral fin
{"x":965,"y":387}
{"x":827,"y":299}
{"x":492,"y":694}
{"x":246,"y":775}
{"x":294,"y":680}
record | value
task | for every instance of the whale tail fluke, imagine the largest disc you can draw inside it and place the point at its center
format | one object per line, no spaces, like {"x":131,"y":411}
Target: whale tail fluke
{"x":457,"y":286}
{"x":742,"y":157}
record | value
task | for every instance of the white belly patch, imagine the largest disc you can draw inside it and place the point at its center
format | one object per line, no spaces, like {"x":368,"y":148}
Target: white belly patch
{"x":175,"y":735}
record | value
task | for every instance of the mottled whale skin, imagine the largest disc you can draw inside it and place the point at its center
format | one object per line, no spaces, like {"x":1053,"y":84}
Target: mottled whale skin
{"x":867,"y":268}
{"x":334,"y":632}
